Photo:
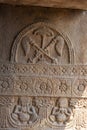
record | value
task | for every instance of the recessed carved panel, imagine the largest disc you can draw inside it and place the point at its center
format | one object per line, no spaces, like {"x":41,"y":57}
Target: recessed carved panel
{"x":38,"y":112}
{"x":40,"y":43}
{"x":24,"y":114}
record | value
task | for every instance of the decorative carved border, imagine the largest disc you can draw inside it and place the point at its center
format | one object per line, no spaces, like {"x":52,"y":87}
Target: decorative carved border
{"x":48,"y":80}
{"x":43,"y":70}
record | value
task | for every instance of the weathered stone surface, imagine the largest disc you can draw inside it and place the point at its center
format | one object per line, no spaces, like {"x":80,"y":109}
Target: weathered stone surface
{"x":43,"y":69}
{"x":73,"y":4}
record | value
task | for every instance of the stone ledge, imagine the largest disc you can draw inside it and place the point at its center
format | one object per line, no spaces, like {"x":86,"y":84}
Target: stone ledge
{"x":73,"y":4}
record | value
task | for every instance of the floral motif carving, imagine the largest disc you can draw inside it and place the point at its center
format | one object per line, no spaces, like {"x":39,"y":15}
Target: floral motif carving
{"x":62,"y":87}
{"x":41,"y":69}
{"x":80,"y":87}
{"x":43,"y":86}
{"x":23,"y":85}
{"x":36,"y":86}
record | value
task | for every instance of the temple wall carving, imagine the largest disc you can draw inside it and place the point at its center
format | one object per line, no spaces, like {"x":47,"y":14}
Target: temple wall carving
{"x":43,"y":70}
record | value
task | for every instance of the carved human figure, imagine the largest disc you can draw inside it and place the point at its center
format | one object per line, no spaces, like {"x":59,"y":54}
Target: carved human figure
{"x":62,"y":113}
{"x":24,"y":113}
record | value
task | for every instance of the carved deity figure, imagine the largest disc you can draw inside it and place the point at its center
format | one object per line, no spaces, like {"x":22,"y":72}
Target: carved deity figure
{"x":24,"y":113}
{"x":62,"y":113}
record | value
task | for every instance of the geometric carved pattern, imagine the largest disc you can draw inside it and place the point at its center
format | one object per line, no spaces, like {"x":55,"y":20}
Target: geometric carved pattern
{"x":19,"y":79}
{"x":43,"y":70}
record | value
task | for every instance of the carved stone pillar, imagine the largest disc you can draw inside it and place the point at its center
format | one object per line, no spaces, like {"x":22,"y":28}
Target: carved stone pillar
{"x":43,"y":71}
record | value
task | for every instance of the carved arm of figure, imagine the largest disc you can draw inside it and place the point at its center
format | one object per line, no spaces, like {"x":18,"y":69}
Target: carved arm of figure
{"x":15,"y":113}
{"x":69,"y":113}
{"x":32,"y":112}
{"x":17,"y":109}
{"x":29,"y":110}
{"x":55,"y":111}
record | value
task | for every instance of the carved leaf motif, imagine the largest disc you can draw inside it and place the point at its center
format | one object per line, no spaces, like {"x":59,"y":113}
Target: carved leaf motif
{"x":26,"y":46}
{"x":59,"y":45}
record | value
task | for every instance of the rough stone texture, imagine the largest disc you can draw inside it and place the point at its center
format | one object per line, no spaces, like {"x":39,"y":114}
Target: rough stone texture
{"x":73,"y":4}
{"x":43,"y":68}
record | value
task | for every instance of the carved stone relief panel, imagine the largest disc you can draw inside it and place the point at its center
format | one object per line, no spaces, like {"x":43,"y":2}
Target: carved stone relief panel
{"x":32,"y":101}
{"x":40,"y":43}
{"x":41,"y":87}
{"x":42,"y":112}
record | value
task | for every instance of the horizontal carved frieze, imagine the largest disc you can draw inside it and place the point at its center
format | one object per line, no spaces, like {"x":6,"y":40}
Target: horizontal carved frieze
{"x":43,"y":86}
{"x":43,"y":80}
{"x":43,"y":70}
{"x":18,"y":113}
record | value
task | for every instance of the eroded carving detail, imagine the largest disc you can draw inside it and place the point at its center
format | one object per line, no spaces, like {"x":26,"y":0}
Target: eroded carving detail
{"x":80,"y":113}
